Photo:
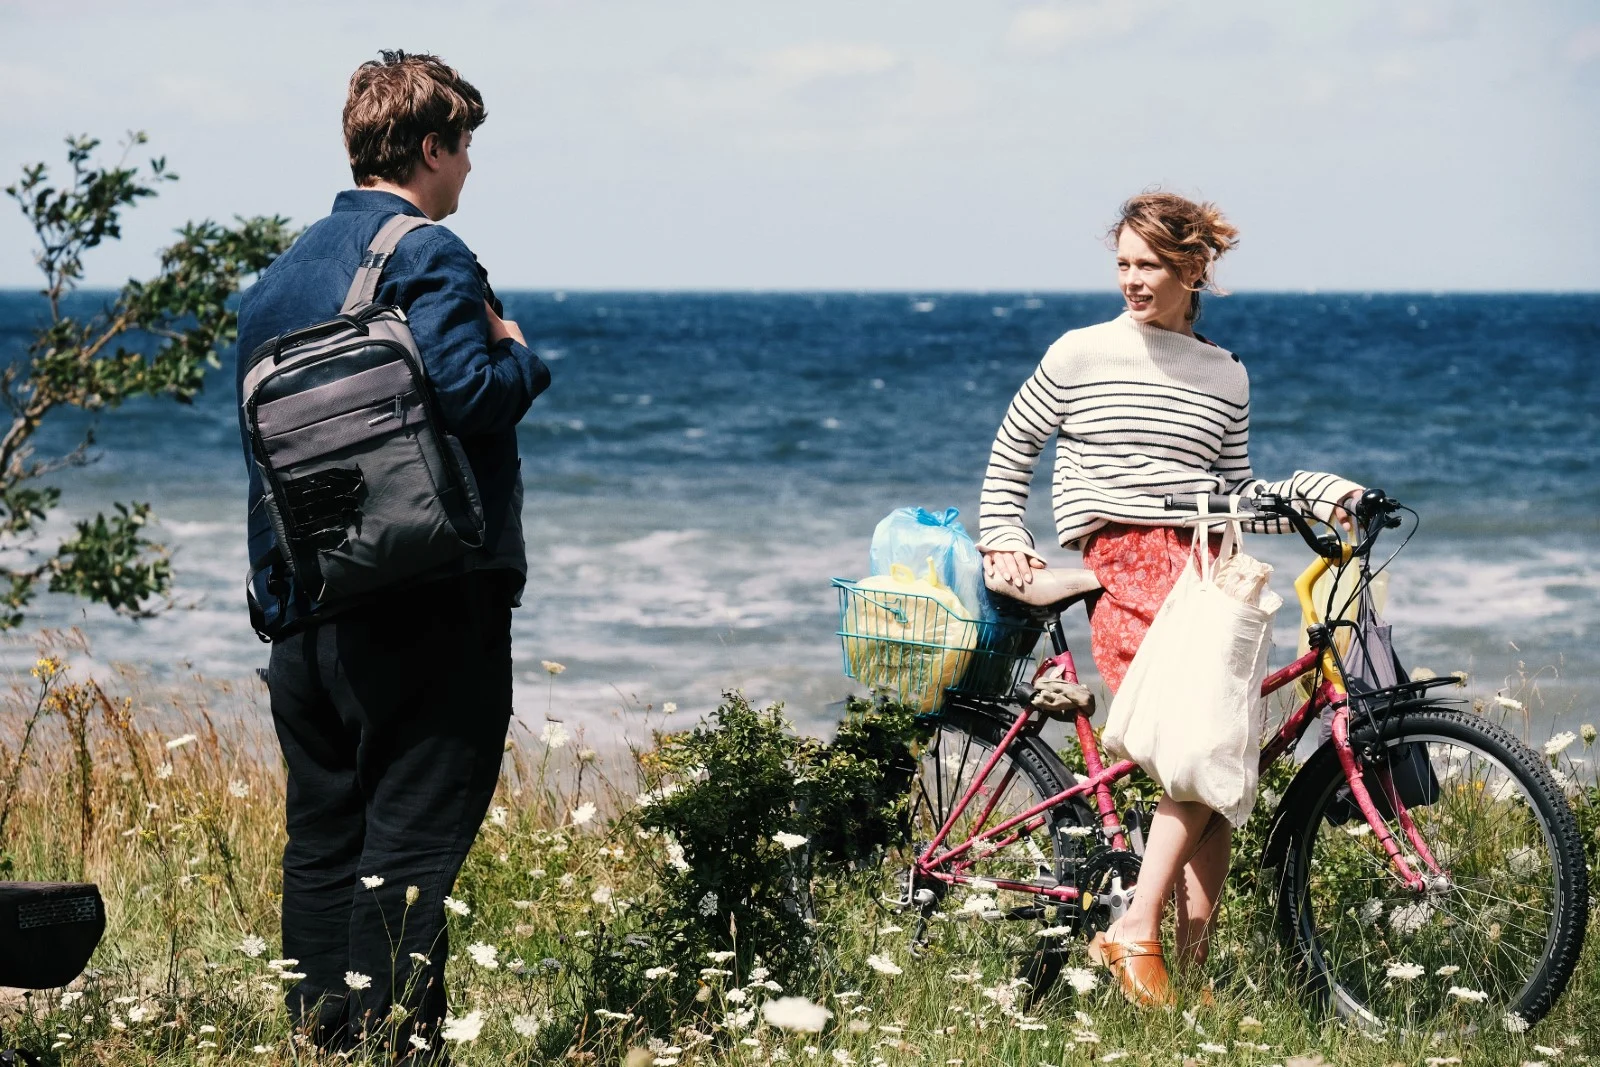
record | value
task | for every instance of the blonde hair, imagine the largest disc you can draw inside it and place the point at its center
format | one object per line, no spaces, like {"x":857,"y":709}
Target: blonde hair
{"x":1188,"y":237}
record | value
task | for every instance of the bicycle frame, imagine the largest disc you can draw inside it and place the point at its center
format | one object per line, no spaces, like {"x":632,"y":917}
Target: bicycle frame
{"x":952,"y":865}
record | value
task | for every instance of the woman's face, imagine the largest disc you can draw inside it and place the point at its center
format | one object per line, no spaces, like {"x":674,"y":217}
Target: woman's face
{"x":1154,"y":294}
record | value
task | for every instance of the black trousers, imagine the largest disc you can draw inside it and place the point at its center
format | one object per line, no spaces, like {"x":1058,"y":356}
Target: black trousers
{"x":392,"y":720}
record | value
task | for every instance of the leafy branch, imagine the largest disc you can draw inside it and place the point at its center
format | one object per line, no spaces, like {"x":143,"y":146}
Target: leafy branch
{"x":154,"y":338}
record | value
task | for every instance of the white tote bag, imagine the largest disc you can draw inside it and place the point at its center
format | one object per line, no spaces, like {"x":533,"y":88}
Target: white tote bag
{"x":1189,"y":710}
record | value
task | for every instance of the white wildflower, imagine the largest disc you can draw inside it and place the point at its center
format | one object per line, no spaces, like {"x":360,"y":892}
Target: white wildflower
{"x":497,"y":815}
{"x":736,"y":996}
{"x":164,"y":771}
{"x":797,"y":1014}
{"x":789,"y":841}
{"x":720,"y":957}
{"x":372,"y":881}
{"x":583,"y":813}
{"x":675,"y":855}
{"x":708,"y":904}
{"x":418,"y":1042}
{"x":551,"y":667}
{"x":1515,"y":1023}
{"x":525,"y":1025}
{"x":601,"y":895}
{"x":669,"y":707}
{"x":978,"y":903}
{"x":1081,"y":979}
{"x":1212,"y":1047}
{"x":485,"y":956}
{"x":252,"y":946}
{"x":883,"y":965}
{"x":356,"y":980}
{"x":613,"y":1016}
{"x":457,"y":906}
{"x":1476,"y":996}
{"x":138,"y":1013}
{"x":1559,"y":742}
{"x":554,"y":735}
{"x":1588,"y":733}
{"x":238,"y":787}
{"x":1056,"y":931}
{"x":1410,"y":918}
{"x":464,"y":1028}
{"x":1508,"y":703}
{"x":1371,"y":911}
{"x":1405,"y":972}
{"x":652,"y":973}
{"x":1447,"y":970}
{"x":179,"y":742}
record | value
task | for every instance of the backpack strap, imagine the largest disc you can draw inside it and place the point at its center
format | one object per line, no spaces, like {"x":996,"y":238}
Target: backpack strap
{"x":364,"y":286}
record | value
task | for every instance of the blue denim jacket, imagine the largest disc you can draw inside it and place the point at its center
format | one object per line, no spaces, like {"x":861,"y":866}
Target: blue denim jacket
{"x":483,"y":390}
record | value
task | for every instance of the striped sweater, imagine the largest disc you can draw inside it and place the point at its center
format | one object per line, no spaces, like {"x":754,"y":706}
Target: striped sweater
{"x":1140,"y":412}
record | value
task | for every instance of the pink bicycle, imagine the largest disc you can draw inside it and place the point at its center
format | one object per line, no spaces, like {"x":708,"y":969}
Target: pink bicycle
{"x":1424,"y":858}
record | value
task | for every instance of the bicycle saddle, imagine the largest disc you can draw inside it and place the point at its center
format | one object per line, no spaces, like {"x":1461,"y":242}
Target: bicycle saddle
{"x":1053,"y":589}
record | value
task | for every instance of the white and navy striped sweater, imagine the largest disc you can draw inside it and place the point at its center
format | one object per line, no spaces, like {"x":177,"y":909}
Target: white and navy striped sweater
{"x":1141,"y":412}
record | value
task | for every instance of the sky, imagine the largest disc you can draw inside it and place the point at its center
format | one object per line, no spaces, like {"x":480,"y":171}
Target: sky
{"x":869,"y":144}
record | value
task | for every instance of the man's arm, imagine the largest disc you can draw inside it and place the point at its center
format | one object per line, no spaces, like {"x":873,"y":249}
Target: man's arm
{"x":483,"y":386}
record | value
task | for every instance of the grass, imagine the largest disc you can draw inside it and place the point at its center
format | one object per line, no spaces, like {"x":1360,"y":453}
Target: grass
{"x":172,"y":803}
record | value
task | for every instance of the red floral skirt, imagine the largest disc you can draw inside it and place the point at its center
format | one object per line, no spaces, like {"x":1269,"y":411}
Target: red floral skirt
{"x":1138,"y":566}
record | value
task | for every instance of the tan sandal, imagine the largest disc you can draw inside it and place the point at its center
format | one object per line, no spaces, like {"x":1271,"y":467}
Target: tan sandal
{"x":1139,"y":967}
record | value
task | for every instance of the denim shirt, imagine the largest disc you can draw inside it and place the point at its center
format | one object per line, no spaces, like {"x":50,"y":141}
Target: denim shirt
{"x":482,"y":390}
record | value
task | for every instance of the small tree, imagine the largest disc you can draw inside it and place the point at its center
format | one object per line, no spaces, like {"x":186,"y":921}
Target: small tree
{"x":180,"y":320}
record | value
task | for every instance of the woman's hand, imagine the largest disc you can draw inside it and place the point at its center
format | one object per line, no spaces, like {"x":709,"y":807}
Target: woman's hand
{"x":1344,"y":512}
{"x":1013,"y":568}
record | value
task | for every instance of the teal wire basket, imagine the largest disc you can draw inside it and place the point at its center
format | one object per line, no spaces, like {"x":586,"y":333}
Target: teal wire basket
{"x":915,"y":649}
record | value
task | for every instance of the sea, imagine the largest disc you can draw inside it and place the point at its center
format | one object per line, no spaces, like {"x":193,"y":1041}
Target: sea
{"x":704,"y":463}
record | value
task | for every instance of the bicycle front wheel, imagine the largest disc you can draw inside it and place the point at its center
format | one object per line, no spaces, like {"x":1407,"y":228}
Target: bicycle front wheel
{"x":1499,"y":927}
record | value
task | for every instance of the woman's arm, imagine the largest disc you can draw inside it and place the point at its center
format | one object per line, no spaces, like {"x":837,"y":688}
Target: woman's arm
{"x":1034,"y":415}
{"x":1326,"y":497}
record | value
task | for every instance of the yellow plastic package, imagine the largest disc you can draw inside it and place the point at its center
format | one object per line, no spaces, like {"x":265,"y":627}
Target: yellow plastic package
{"x":908,"y":635}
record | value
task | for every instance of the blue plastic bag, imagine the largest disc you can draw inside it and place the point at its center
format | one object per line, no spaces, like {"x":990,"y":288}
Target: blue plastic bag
{"x":912,"y":536}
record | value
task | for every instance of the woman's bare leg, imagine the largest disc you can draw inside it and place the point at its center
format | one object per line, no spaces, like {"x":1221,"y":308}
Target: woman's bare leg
{"x":1176,"y":830}
{"x":1200,"y":889}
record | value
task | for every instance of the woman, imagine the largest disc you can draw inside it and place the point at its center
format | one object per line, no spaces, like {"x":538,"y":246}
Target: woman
{"x":1143,"y":407}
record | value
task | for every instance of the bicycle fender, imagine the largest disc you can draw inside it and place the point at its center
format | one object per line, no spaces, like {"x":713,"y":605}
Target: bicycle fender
{"x":1295,"y":798}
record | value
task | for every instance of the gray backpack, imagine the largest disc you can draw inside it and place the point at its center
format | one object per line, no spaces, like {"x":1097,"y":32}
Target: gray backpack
{"x":364,"y":487}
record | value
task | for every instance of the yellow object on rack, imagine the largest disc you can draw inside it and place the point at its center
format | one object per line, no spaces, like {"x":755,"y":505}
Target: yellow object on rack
{"x":908,"y":635}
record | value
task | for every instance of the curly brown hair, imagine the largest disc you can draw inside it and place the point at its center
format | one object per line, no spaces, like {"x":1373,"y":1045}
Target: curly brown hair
{"x":397,"y":101}
{"x":1188,"y":237}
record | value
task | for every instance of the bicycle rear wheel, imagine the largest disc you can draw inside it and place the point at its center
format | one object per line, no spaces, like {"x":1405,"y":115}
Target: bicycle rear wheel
{"x":1500,"y":926}
{"x":962,"y":742}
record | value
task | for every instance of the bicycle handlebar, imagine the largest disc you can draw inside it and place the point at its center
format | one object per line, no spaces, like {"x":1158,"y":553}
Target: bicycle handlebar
{"x":1374,"y":512}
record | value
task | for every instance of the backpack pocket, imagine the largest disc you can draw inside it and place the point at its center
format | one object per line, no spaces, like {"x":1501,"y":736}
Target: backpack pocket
{"x":362,"y":493}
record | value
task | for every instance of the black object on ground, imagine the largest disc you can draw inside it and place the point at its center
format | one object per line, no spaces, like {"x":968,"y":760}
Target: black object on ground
{"x":48,"y":930}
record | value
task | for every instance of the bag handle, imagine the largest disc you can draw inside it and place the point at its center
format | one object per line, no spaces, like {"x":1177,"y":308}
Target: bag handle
{"x":1200,"y":542}
{"x":364,"y":286}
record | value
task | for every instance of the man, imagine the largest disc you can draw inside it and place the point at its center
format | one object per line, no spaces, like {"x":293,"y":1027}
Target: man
{"x":392,"y":713}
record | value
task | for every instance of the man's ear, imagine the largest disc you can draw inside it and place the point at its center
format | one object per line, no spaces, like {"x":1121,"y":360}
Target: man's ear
{"x":432,"y":149}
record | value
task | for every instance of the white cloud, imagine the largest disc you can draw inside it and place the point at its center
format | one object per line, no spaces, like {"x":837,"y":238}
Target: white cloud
{"x":1436,"y":20}
{"x":802,"y":63}
{"x":1045,"y":29}
{"x":1584,"y":47}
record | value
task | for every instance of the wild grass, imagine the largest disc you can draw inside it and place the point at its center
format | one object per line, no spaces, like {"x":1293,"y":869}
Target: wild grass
{"x":174,"y":808}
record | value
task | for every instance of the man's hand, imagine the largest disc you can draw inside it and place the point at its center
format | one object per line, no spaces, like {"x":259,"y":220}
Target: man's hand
{"x":500,"y":329}
{"x":1013,"y":568}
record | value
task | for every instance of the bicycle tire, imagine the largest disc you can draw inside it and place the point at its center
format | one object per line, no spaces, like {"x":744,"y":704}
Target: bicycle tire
{"x":1046,"y":776}
{"x":1314,"y":795}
